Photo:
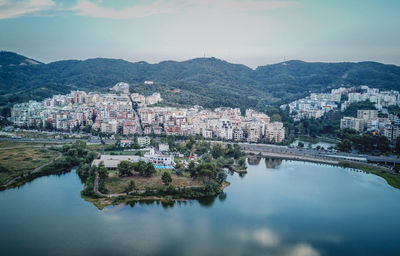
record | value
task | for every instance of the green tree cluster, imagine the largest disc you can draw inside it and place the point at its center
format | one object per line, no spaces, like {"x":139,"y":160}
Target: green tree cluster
{"x":126,"y":168}
{"x":166,"y":178}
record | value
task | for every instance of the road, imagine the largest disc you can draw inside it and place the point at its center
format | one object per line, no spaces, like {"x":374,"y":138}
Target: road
{"x":252,"y":147}
{"x":139,"y":122}
{"x":57,"y":141}
{"x":320,"y":153}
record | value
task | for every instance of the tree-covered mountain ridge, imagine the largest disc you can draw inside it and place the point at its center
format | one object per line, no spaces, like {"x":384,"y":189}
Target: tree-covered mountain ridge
{"x":209,"y":82}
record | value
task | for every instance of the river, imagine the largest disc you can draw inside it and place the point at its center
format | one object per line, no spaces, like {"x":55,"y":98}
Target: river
{"x":277,"y":208}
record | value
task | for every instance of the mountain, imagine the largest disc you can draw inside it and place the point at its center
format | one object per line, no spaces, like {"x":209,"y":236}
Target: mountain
{"x":209,"y":82}
{"x":13,"y":59}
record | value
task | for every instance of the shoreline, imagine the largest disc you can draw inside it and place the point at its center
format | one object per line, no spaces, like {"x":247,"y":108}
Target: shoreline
{"x":108,"y":200}
{"x":391,"y":178}
{"x":319,"y":160}
{"x":29,"y":176}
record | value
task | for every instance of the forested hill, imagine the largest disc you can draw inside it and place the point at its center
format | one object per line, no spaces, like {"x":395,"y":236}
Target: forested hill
{"x":13,"y":59}
{"x":209,"y":82}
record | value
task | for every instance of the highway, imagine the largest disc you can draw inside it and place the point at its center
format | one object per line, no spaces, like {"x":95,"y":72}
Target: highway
{"x":319,"y":153}
{"x":388,"y":160}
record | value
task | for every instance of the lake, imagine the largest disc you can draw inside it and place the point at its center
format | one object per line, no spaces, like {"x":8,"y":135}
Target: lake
{"x":277,"y":208}
{"x":322,"y":144}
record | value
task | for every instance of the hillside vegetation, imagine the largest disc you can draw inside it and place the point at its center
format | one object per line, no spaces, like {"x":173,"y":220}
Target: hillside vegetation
{"x":209,"y":82}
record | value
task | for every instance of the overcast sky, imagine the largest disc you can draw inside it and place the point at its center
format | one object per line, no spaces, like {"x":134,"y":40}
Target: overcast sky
{"x":252,"y":32}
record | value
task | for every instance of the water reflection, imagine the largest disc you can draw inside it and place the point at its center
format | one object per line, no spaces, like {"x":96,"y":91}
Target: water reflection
{"x":302,"y":209}
{"x":222,"y":196}
{"x":204,"y":201}
{"x":253,"y":160}
{"x":273,"y":163}
{"x":242,"y":174}
{"x":271,"y":243}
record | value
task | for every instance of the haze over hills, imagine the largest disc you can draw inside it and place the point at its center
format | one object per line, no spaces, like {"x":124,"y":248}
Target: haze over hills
{"x":209,"y":82}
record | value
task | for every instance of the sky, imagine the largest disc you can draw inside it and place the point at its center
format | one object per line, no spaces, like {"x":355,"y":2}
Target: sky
{"x":250,"y":32}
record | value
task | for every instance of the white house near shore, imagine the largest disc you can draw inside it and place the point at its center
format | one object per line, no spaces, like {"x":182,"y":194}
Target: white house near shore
{"x":111,"y":161}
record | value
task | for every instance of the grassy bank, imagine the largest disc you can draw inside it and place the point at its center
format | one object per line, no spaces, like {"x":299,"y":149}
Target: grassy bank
{"x":20,"y":159}
{"x":115,"y":184}
{"x":391,"y":178}
{"x":22,"y":163}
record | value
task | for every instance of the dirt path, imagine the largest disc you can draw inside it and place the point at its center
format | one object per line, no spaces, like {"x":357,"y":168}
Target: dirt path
{"x":37,"y":169}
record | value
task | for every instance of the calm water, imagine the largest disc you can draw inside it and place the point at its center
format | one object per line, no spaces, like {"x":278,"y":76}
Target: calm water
{"x":287,"y":208}
{"x":322,"y":144}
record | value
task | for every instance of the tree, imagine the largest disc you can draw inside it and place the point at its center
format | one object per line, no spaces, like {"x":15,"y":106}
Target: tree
{"x":276,"y":118}
{"x":87,"y":128}
{"x":398,"y":145}
{"x":206,"y":170}
{"x":90,"y":156}
{"x":345,"y":145}
{"x":117,"y":144}
{"x":242,"y":162}
{"x":103,"y":172}
{"x":190,"y":142}
{"x":153,"y":143}
{"x":145,"y":169}
{"x":217,"y":150}
{"x":83,"y":171}
{"x":192,"y":169}
{"x":221,"y":177}
{"x":131,"y":186}
{"x":80,"y":146}
{"x":179,"y":165}
{"x":206,"y":173}
{"x":206,"y":158}
{"x":300,"y":144}
{"x":140,"y":167}
{"x":125,"y":168}
{"x":136,"y":144}
{"x":166,"y":178}
{"x":48,"y":125}
{"x":202,"y":147}
{"x":236,"y":151}
{"x":150,"y":170}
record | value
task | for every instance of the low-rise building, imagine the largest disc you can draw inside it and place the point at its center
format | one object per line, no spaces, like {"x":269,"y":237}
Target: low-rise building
{"x":129,"y":127}
{"x":352,"y":123}
{"x":391,"y":132}
{"x":109,"y":127}
{"x":144,"y":141}
{"x":367,"y":115}
{"x":111,"y":161}
{"x":237,"y":134}
{"x":275,"y":132}
{"x":163,"y":147}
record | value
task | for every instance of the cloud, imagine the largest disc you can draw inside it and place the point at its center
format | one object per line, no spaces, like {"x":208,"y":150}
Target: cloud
{"x":303,"y":250}
{"x":91,"y":9}
{"x":264,"y":237}
{"x":13,"y":9}
{"x":273,"y":244}
{"x":241,"y":5}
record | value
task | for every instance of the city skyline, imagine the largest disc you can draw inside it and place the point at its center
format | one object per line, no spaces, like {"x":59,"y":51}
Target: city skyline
{"x":249,"y":32}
